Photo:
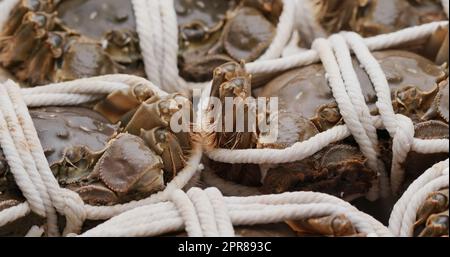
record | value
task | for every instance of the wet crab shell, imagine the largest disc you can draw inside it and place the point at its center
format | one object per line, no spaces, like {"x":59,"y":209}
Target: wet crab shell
{"x":412,"y":79}
{"x":128,"y":166}
{"x":233,"y":30}
{"x":371,"y":17}
{"x":63,"y":128}
{"x":247,"y":34}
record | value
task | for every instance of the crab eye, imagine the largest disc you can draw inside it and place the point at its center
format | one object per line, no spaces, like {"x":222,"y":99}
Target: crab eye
{"x":38,"y":19}
{"x":160,"y":134}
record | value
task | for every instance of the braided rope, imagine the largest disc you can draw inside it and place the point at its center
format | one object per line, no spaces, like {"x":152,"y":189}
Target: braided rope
{"x":403,"y":215}
{"x":23,"y":151}
{"x":183,"y":213}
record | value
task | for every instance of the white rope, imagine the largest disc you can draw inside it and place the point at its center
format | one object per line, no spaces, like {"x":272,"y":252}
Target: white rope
{"x":14,"y":213}
{"x":15,"y":119}
{"x":23,"y":151}
{"x":403,"y":215}
{"x":352,"y":116}
{"x":235,"y":210}
{"x":35,"y":231}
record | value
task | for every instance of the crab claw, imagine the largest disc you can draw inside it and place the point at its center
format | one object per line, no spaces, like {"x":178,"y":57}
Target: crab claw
{"x":128,"y":166}
{"x":39,"y":68}
{"x":20,"y":46}
{"x":120,"y":102}
{"x":442,"y":100}
{"x":166,"y":144}
{"x":436,"y":202}
{"x":437,"y":225}
{"x":155,"y":112}
{"x":332,"y":225}
{"x":226,"y":72}
{"x":16,"y":16}
{"x":97,"y":194}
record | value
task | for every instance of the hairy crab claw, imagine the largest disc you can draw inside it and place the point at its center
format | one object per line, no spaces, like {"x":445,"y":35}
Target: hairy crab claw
{"x":372,"y":17}
{"x":72,"y":38}
{"x":332,"y":225}
{"x":437,"y":225}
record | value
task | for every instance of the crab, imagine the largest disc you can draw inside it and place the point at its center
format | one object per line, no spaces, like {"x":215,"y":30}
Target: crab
{"x":372,"y":17}
{"x":432,"y":216}
{"x":332,"y":225}
{"x":107,"y":162}
{"x":52,"y":41}
{"x":216,"y":32}
{"x":340,"y":169}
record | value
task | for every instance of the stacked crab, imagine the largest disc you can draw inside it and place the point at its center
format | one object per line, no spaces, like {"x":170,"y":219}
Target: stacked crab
{"x":121,"y":147}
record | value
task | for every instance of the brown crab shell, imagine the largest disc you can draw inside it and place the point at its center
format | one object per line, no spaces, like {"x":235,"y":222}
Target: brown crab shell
{"x":371,"y":17}
{"x":128,"y":166}
{"x":304,"y":90}
{"x":248,"y":34}
{"x":63,"y":128}
{"x":96,"y":194}
{"x":292,"y":128}
{"x":340,"y":170}
{"x":441,"y":101}
{"x":95,"y":19}
{"x":235,"y":30}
